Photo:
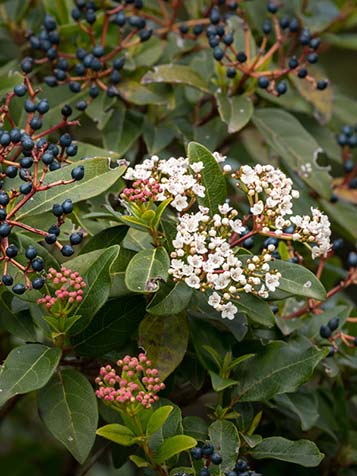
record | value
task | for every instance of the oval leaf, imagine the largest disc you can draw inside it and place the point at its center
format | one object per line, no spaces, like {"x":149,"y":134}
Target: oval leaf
{"x":212,"y":177}
{"x":145,"y":269}
{"x":225,"y":439}
{"x":68,"y":408}
{"x":157,"y":419}
{"x":118,"y":433}
{"x":297,"y":280}
{"x":28,"y":367}
{"x":175,"y":74}
{"x":173,"y":446}
{"x":303,"y":452}
{"x":235,"y":111}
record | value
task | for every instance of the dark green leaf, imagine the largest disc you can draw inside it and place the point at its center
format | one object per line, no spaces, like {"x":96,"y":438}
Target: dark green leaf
{"x":235,"y":111}
{"x":173,"y":446}
{"x":146,"y":269}
{"x":225,"y":439}
{"x":176,"y":74}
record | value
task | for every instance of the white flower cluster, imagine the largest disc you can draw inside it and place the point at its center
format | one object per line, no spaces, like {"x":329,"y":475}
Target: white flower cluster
{"x":270,"y":193}
{"x":177,"y":179}
{"x":315,"y":229}
{"x":204,"y":259}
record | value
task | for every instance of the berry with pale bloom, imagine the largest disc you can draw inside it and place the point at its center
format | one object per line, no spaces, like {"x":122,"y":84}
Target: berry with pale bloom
{"x":65,"y":292}
{"x":133,"y":385}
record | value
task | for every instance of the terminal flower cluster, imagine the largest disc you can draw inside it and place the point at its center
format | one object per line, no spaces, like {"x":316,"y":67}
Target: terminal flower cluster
{"x":65,"y":292}
{"x":133,"y":386}
{"x":205,"y":258}
{"x":270,"y":194}
{"x":159,"y":179}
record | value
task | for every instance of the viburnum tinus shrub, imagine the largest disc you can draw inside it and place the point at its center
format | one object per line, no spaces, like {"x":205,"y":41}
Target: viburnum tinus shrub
{"x":187,"y":312}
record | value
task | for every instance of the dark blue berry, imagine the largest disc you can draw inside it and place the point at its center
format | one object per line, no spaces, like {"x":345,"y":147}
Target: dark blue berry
{"x":112,"y":91}
{"x":31,"y":252}
{"x":293,"y":62}
{"x":271,"y":241}
{"x":231,"y":473}
{"x":352,"y":259}
{"x":331,"y":352}
{"x":52,"y":53}
{"x":218,"y":53}
{"x":36,"y":123}
{"x":305,"y":37}
{"x":76,"y":14}
{"x":312,"y":57}
{"x":241,"y":57}
{"x":183,"y":29}
{"x":196,"y":453}
{"x":47,"y":158}
{"x":27,"y":65}
{"x":294,"y":25}
{"x":54,"y":229}
{"x":81,"y":53}
{"x":302,"y":73}
{"x":11,"y":251}
{"x":38,"y":264}
{"x":5,"y":139}
{"x":50,"y":238}
{"x":3,"y":214}
{"x":11,"y":171}
{"x":43,"y":106}
{"x":26,"y":188}
{"x":197,"y":29}
{"x":67,"y":206}
{"x":215,"y":16}
{"x":333,"y":323}
{"x":115,"y":78}
{"x":72,"y":150}
{"x":272,"y":7}
{"x":204,"y":472}
{"x":4,"y":199}
{"x":29,"y":106}
{"x":315,"y":43}
{"x":76,"y":238}
{"x":207,"y":449}
{"x":81,"y":105}
{"x":228,"y":39}
{"x":60,"y":75}
{"x":352,"y":184}
{"x":216,"y":458}
{"x":284,"y":22}
{"x":38,"y":283}
{"x":7,"y":280}
{"x":65,"y":140}
{"x":263,"y":82}
{"x":20,"y":90}
{"x":15,"y":135}
{"x":348,"y":166}
{"x":98,"y":51}
{"x":321,"y":84}
{"x":231,"y":73}
{"x":74,"y":87}
{"x":281,"y":88}
{"x":91,"y":16}
{"x":19,"y":288}
{"x":241,"y":465}
{"x":325,"y":332}
{"x":78,"y":173}
{"x":67,"y":250}
{"x":145,"y":35}
{"x":266,"y":27}
{"x":66,"y":110}
{"x":120,"y":19}
{"x":51,"y":81}
{"x":49,"y":23}
{"x":94,"y":91}
{"x":118,"y":63}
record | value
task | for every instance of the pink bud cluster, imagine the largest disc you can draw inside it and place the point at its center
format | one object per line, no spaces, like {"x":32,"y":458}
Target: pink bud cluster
{"x":142,"y":190}
{"x":135,"y":384}
{"x":68,"y":288}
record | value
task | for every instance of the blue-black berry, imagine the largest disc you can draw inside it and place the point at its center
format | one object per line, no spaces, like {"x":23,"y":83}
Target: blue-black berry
{"x":67,"y":250}
{"x":325,"y":332}
{"x":19,"y":288}
{"x":7,"y":280}
{"x":333,"y":323}
{"x":78,"y":173}
{"x":38,"y":283}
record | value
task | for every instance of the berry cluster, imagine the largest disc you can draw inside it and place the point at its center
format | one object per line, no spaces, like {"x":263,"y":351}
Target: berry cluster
{"x":347,"y":140}
{"x":242,"y":64}
{"x":241,"y":468}
{"x":97,"y":67}
{"x":135,"y":385}
{"x":209,"y":455}
{"x":65,"y":289}
{"x":27,"y":159}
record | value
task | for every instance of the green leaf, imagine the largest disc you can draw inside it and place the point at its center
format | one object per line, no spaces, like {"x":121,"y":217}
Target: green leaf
{"x":173,"y":446}
{"x":141,"y":95}
{"x":297,"y":280}
{"x":344,"y":217}
{"x":68,"y":407}
{"x":122,"y":130}
{"x":98,"y":280}
{"x":235,"y":111}
{"x":302,"y":404}
{"x":105,"y":238}
{"x":294,"y":144}
{"x":346,"y":41}
{"x":18,"y":323}
{"x":172,"y":298}
{"x":157,"y":419}
{"x":212,"y":177}
{"x":175,"y":74}
{"x":219,"y":383}
{"x":139,"y":461}
{"x":118,"y":433}
{"x":302,"y":452}
{"x":111,"y":328}
{"x":225,"y":439}
{"x":165,"y":340}
{"x":145,"y":269}
{"x":279,"y":367}
{"x":26,"y":368}
{"x":97,"y":178}
{"x":256,"y":309}
{"x":196,"y":427}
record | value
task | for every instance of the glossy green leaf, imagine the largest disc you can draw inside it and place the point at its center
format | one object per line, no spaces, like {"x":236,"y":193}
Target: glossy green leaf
{"x":146,"y":269}
{"x":105,"y":239}
{"x":219,"y":383}
{"x":68,"y":407}
{"x":299,"y":281}
{"x":165,"y":340}
{"x":172,"y":298}
{"x":196,"y":427}
{"x":302,"y":452}
{"x":212,"y":177}
{"x":111,"y":327}
{"x":225,"y":439}
{"x":256,"y":309}
{"x":97,"y":178}
{"x":175,"y":74}
{"x":172,"y":446}
{"x":279,"y":367}
{"x":98,"y":279}
{"x":27,"y":368}
{"x":235,"y":111}
{"x":157,"y":419}
{"x":302,"y":404}
{"x":118,"y":433}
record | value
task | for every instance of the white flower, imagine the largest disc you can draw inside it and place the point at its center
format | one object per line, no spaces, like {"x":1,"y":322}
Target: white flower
{"x":272,"y":281}
{"x":229,"y":311}
{"x":197,"y":167}
{"x":180,"y":203}
{"x":214,"y":299}
{"x":193,"y":281}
